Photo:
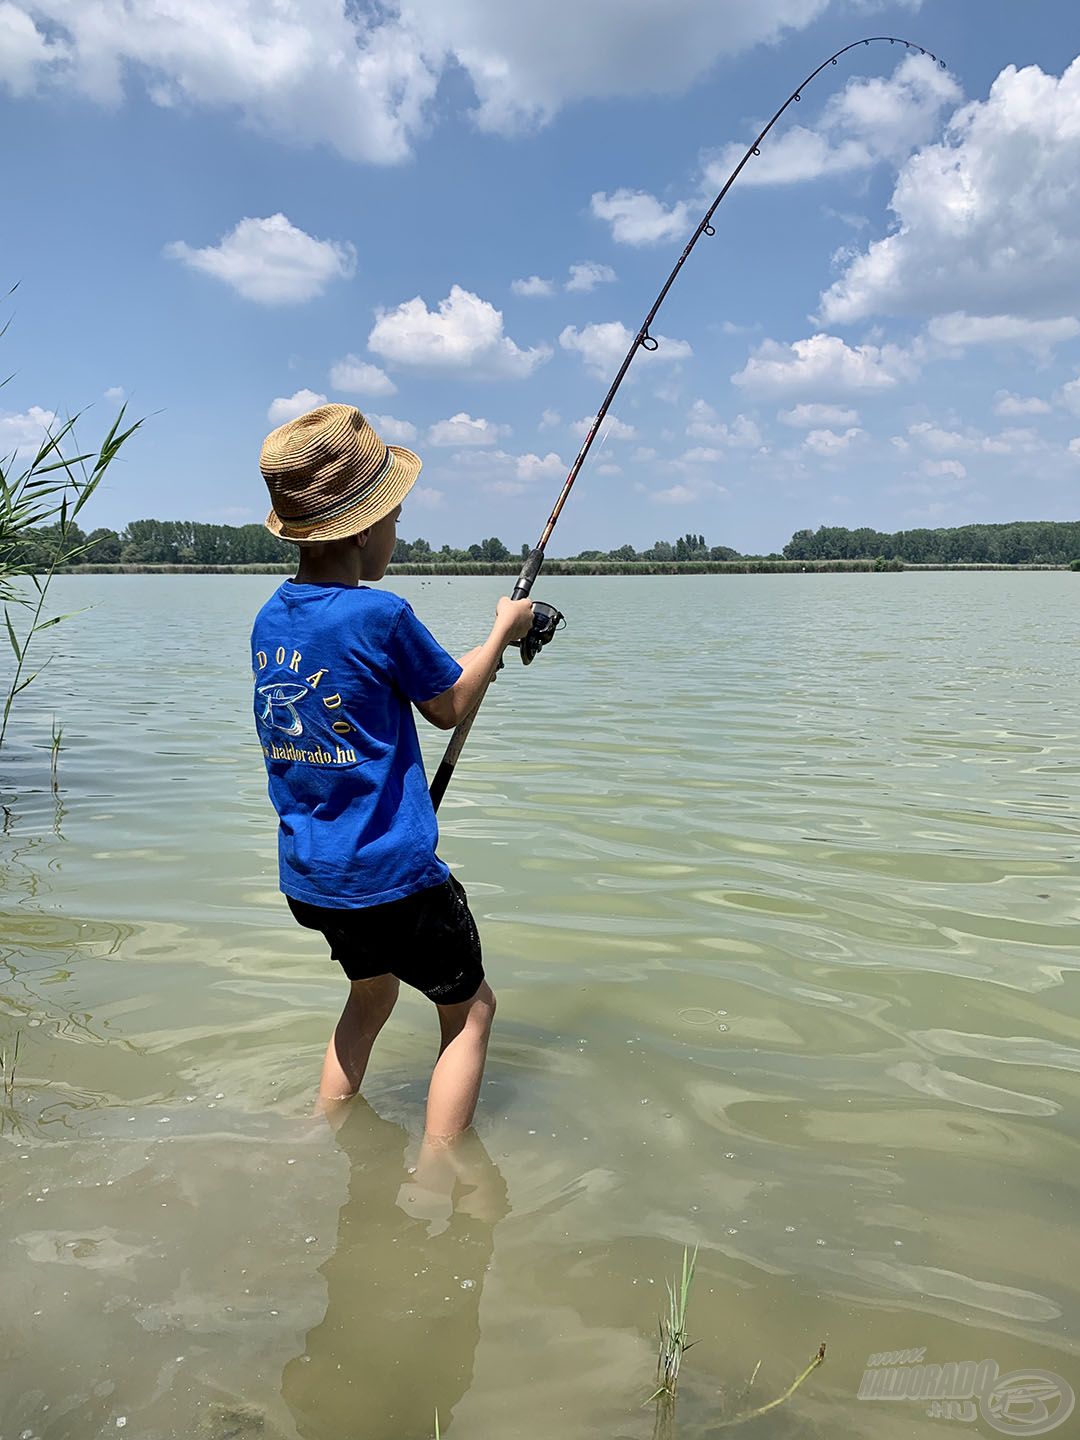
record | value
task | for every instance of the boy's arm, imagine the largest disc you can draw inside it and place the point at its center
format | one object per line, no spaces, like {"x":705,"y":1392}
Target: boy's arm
{"x":513,"y":621}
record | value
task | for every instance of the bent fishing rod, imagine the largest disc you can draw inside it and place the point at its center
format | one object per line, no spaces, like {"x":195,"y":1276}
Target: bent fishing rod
{"x":547,"y":620}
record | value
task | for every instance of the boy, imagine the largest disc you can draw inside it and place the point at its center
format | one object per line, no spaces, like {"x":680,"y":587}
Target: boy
{"x":337,"y":667}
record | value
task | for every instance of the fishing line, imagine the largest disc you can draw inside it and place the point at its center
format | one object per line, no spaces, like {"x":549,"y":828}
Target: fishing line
{"x":548,"y":620}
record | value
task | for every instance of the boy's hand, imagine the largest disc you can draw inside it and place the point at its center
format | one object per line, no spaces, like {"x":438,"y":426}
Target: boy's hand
{"x":516,"y":616}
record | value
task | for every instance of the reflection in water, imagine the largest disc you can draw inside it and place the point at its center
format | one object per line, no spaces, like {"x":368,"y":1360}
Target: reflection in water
{"x":404,"y":1282}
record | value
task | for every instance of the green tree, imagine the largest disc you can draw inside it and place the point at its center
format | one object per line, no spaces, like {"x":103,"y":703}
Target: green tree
{"x":102,"y":548}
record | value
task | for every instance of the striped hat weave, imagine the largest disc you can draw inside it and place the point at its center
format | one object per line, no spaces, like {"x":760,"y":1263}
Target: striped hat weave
{"x":330,"y":475}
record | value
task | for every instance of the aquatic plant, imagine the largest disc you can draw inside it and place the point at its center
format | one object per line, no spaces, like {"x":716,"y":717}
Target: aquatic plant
{"x":673,"y":1341}
{"x":780,"y":1399}
{"x":52,"y":489}
{"x":8,"y":1063}
{"x":54,"y":753}
{"x":674,"y":1344}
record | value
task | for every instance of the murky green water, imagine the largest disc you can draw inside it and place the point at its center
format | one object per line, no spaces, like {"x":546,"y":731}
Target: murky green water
{"x":777,"y":878}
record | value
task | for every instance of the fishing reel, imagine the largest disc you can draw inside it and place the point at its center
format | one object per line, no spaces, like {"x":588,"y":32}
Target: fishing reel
{"x":546,"y":621}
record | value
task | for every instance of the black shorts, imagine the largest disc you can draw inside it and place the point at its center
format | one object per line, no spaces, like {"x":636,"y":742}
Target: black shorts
{"x":429,"y":940}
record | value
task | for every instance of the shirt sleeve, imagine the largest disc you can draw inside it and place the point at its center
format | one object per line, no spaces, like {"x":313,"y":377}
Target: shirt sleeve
{"x":418,"y":664}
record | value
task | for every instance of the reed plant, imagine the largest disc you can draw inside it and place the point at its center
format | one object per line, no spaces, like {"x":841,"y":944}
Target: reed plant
{"x":54,"y":754}
{"x":673,"y":1333}
{"x":674,"y":1343}
{"x":9,"y":1060}
{"x":52,"y":489}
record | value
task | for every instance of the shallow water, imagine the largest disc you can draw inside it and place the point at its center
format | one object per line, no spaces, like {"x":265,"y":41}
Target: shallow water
{"x":777,"y":879}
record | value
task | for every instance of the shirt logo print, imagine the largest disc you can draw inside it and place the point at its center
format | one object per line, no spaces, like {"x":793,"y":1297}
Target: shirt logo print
{"x":280,"y":711}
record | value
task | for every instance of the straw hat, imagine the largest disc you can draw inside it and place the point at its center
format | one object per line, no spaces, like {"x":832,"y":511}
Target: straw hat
{"x":330,"y":476}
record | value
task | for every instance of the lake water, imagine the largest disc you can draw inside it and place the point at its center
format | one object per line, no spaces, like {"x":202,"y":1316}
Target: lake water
{"x":777,"y":880}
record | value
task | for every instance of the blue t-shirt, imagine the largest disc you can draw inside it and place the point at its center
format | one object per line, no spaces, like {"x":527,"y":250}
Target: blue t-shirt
{"x":336,"y":667}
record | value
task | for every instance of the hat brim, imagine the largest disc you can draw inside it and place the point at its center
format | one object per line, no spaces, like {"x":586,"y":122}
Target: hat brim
{"x":392,"y":489}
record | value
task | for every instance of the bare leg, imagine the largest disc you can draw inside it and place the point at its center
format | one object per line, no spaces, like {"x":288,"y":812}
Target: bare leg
{"x":455,"y":1081}
{"x":366,"y":1012}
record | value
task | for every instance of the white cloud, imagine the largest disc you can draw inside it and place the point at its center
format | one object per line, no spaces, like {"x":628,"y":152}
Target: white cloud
{"x":676,"y":495}
{"x":306,"y":71}
{"x":362,"y":79}
{"x":550,"y":420}
{"x":704,"y":424}
{"x":988,"y":220}
{"x":809,"y":416}
{"x":603,"y":346}
{"x":353,"y":376}
{"x":1012,"y":442}
{"x":941,"y":441}
{"x":828,"y":443}
{"x":609,"y":468}
{"x":464,"y":335}
{"x":23,"y":433}
{"x":584,"y":276}
{"x":114,"y":394}
{"x":872,"y":119}
{"x":637,"y":218}
{"x":693,"y":490}
{"x":846,"y":217}
{"x":505,"y":474}
{"x":699,"y":455}
{"x":462,"y":429}
{"x":540,"y":467}
{"x":613,"y":427}
{"x":959,"y":330}
{"x":1069,"y":396}
{"x":533,"y":287}
{"x":952,"y":442}
{"x":424,"y":497}
{"x":26,"y":53}
{"x":527,"y":61}
{"x":288,"y":407}
{"x":588,"y":275}
{"x":945,"y":469}
{"x":270,"y":261}
{"x":798,"y":154}
{"x":1006,"y":403}
{"x":824,"y":364}
{"x":394,"y":432}
{"x":643,"y":455}
{"x":1074,"y":447}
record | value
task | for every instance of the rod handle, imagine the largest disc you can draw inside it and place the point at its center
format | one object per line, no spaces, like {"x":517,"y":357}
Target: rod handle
{"x":529,"y":572}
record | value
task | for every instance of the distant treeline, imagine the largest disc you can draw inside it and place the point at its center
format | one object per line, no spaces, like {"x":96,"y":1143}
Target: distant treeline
{"x":493,"y":551}
{"x":155,"y":542}
{"x":187,"y":543}
{"x":1021,"y":542}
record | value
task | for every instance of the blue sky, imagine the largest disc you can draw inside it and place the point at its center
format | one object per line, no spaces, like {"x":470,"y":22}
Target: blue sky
{"x":444,"y":213}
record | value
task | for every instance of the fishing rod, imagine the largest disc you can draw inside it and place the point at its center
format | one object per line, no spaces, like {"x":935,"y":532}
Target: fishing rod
{"x":547,"y":620}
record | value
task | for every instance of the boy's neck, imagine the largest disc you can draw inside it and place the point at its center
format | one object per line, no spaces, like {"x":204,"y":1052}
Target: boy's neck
{"x":340,"y":569}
